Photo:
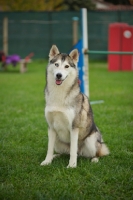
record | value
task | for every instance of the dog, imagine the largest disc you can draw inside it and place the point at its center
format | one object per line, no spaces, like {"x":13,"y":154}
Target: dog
{"x":71,"y":127}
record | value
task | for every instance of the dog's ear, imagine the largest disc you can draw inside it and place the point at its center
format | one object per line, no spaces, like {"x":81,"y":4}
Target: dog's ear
{"x":53,"y":52}
{"x":74,"y":54}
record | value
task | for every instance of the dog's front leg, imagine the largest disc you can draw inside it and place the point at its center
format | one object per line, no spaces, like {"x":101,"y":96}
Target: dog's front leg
{"x":73,"y":148}
{"x":51,"y":143}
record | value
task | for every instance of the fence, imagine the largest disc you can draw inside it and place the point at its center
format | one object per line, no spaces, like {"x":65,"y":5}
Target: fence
{"x":37,"y":31}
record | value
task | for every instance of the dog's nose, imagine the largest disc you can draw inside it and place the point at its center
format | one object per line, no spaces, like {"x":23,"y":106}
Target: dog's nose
{"x":58,"y":76}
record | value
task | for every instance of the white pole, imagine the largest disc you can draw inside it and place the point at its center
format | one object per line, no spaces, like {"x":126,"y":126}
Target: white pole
{"x":86,"y":57}
{"x":85,"y":47}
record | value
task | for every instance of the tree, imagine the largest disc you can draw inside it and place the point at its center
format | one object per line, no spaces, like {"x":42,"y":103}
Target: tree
{"x":45,"y":5}
{"x":30,"y":5}
{"x":78,"y":4}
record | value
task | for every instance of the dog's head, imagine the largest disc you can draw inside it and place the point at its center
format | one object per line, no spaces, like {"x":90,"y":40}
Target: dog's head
{"x":62,"y":65}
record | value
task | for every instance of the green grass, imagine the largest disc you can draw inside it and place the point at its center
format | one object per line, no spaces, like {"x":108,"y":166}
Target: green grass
{"x":23,"y":139}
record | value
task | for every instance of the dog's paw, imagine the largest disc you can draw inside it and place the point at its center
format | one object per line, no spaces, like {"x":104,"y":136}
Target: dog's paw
{"x":71,"y":166}
{"x":46,"y":162}
{"x":72,"y":162}
{"x":94,"y":160}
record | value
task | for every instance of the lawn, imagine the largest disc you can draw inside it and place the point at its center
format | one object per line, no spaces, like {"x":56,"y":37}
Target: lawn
{"x":23,"y":139}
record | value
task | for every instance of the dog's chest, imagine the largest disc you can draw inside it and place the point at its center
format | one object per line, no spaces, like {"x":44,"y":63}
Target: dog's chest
{"x":61,"y":121}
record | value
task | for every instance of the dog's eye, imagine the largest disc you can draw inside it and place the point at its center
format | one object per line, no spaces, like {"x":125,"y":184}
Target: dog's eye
{"x":66,"y":66}
{"x":56,"y":64}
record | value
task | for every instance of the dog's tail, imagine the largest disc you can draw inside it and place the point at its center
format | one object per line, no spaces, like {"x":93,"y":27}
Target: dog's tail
{"x":103,"y":150}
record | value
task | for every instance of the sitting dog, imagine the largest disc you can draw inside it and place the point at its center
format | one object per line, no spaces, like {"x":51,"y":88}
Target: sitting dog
{"x":68,"y":112}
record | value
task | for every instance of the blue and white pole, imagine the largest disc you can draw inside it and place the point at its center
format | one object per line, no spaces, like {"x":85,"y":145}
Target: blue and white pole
{"x":85,"y":47}
{"x":82,"y":45}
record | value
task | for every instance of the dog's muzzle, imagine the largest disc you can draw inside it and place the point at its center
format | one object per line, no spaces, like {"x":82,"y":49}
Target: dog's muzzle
{"x":59,"y":79}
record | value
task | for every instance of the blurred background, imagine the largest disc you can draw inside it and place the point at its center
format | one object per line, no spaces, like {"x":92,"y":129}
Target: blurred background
{"x":34,"y":25}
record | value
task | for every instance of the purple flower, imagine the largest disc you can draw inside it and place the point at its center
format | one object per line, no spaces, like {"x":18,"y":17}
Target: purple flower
{"x":13,"y":59}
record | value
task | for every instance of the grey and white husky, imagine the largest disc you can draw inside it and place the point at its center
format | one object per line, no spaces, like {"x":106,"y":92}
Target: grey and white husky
{"x":68,"y":112}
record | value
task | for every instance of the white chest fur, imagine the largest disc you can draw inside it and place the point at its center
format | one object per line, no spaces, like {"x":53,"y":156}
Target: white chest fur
{"x":60,"y":119}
